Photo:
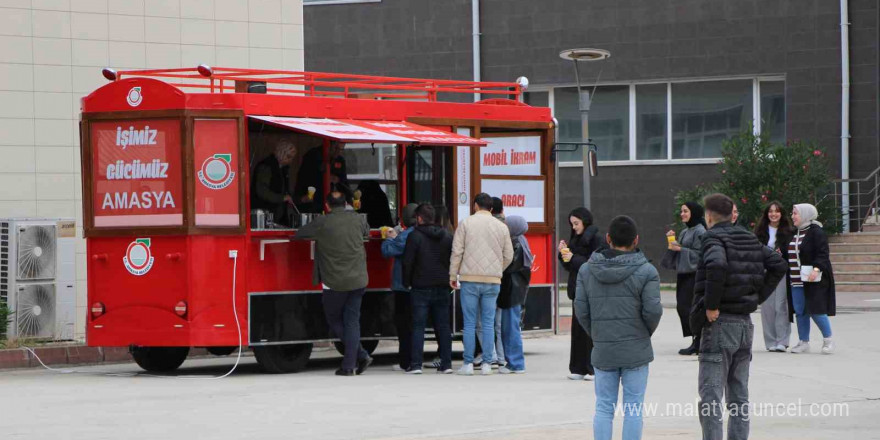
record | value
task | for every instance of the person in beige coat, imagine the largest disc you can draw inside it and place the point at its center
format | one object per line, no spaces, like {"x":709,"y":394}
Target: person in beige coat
{"x":481,"y":250}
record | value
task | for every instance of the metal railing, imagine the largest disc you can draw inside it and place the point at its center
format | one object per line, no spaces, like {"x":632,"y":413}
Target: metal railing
{"x":864,"y":195}
{"x":336,"y":85}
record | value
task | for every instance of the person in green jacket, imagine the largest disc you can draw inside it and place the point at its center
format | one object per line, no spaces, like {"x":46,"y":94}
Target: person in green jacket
{"x":618,"y":304}
{"x":341,"y":268}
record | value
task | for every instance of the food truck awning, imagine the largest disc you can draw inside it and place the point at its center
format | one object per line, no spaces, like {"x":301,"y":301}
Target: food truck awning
{"x":393,"y":132}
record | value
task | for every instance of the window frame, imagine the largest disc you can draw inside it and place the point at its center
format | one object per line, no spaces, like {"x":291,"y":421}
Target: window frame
{"x":633,"y":129}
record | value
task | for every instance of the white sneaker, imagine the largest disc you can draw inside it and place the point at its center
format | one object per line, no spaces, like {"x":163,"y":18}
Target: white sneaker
{"x":779,"y":348}
{"x":413,"y":371}
{"x":801,"y":347}
{"x":486,"y":368}
{"x":827,"y":346}
{"x":478,"y":361}
{"x":505,"y":370}
{"x":573,"y":376}
{"x":466,"y":370}
{"x":589,"y":377}
{"x":446,"y":371}
{"x":396,"y":367}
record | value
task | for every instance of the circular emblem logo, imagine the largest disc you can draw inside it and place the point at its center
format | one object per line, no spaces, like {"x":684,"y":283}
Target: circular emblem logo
{"x":216,"y":171}
{"x":138,"y":260}
{"x":134,"y":97}
{"x":462,"y":198}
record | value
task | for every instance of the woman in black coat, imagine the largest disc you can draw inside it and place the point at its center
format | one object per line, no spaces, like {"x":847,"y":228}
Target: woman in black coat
{"x":585,"y":239}
{"x":812,"y":281}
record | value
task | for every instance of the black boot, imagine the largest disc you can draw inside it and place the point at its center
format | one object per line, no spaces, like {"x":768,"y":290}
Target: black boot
{"x":344,"y":372}
{"x":691,"y":350}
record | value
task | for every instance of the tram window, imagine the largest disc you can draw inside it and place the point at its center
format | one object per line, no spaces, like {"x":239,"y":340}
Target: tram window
{"x":276,"y":163}
{"x":372,"y":175}
{"x":430,"y":175}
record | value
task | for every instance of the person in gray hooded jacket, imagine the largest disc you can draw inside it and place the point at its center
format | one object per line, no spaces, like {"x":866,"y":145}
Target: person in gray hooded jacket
{"x":618,"y":304}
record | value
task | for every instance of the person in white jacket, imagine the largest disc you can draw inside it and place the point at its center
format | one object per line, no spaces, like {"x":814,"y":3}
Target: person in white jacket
{"x":481,"y":250}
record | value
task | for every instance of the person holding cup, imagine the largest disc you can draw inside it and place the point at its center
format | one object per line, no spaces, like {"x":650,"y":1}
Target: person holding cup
{"x":583,"y":241}
{"x":683,"y":256}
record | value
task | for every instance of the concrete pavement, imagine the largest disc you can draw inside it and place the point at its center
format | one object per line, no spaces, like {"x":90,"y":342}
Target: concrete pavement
{"x":383,"y":404}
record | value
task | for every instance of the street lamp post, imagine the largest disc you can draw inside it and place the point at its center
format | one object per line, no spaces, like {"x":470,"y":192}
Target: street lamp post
{"x":584,"y":100}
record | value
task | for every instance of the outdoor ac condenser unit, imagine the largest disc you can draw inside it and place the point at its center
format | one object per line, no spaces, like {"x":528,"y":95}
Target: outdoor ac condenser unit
{"x":38,"y":277}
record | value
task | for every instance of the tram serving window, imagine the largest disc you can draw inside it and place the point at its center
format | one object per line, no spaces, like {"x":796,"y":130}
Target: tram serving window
{"x":276,"y":159}
{"x":372,"y":177}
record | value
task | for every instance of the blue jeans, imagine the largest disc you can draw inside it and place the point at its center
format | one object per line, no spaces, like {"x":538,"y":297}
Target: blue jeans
{"x":436,"y":302}
{"x":479,"y":297}
{"x":635,"y":381}
{"x":512,"y":338}
{"x":803,"y":320}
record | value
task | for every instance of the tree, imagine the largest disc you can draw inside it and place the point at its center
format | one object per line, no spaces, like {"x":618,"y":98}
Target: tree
{"x":754,"y":171}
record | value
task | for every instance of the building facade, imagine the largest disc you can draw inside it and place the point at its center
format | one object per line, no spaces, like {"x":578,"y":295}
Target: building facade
{"x":683,"y":76}
{"x":52,"y":53}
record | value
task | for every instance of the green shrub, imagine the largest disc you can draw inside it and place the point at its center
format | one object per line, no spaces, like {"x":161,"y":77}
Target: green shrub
{"x":754,"y":171}
{"x":5,"y":319}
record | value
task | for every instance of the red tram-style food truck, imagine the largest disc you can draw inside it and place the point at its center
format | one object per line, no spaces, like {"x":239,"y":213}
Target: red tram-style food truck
{"x":196,"y":180}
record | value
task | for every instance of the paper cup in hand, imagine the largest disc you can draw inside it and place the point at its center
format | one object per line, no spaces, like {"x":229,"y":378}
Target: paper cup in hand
{"x":311,"y":190}
{"x":670,"y":238}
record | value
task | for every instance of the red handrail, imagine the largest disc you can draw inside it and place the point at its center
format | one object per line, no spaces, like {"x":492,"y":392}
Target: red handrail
{"x":329,"y":84}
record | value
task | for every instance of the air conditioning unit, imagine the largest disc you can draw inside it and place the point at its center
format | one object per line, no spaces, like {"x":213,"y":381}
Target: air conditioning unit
{"x":38,"y":277}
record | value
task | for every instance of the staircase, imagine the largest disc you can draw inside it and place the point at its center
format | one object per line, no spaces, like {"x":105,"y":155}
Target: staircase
{"x":856,"y":260}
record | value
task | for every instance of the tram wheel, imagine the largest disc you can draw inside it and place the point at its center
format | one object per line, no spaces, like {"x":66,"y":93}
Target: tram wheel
{"x":279,"y":359}
{"x":221,"y":351}
{"x":369,"y":345}
{"x":159,"y":359}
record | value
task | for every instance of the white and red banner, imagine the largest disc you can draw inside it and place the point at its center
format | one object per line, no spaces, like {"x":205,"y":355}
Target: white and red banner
{"x":511,"y":156}
{"x":215,"y":150}
{"x":521,"y":197}
{"x":136,"y":173}
{"x":392,"y":132}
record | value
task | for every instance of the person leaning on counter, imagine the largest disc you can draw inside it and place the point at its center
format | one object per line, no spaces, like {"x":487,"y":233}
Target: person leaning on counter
{"x":341,"y":269}
{"x":269,"y":189}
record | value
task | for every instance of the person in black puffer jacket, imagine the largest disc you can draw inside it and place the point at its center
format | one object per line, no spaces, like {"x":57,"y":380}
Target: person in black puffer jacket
{"x":426,"y":271}
{"x":585,"y":239}
{"x":735,"y":274}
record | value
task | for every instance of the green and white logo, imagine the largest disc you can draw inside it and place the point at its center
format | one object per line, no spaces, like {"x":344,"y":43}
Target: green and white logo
{"x":138,"y":259}
{"x":216,"y":171}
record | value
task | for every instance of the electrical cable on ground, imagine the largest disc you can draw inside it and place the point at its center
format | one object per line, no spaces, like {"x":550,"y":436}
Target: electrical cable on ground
{"x":234,"y":256}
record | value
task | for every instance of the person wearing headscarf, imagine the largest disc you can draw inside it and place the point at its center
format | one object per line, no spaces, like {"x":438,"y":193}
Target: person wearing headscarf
{"x":584,"y":240}
{"x":813,"y":295}
{"x":683,"y":256}
{"x":514,"y":288}
{"x":774,"y":231}
{"x":374,"y":203}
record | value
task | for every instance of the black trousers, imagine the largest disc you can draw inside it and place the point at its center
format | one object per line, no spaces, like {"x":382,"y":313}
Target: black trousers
{"x":684,"y":298}
{"x":581,"y":348}
{"x":343,"y":312}
{"x":403,"y":320}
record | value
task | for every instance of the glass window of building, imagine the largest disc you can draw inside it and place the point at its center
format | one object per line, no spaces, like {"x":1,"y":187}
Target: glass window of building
{"x":773,"y":110}
{"x":537,"y":99}
{"x":651,"y":122}
{"x":609,"y":121}
{"x":704,"y":114}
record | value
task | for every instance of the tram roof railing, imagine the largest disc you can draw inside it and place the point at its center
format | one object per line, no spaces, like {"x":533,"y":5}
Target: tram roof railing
{"x":319,"y":84}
